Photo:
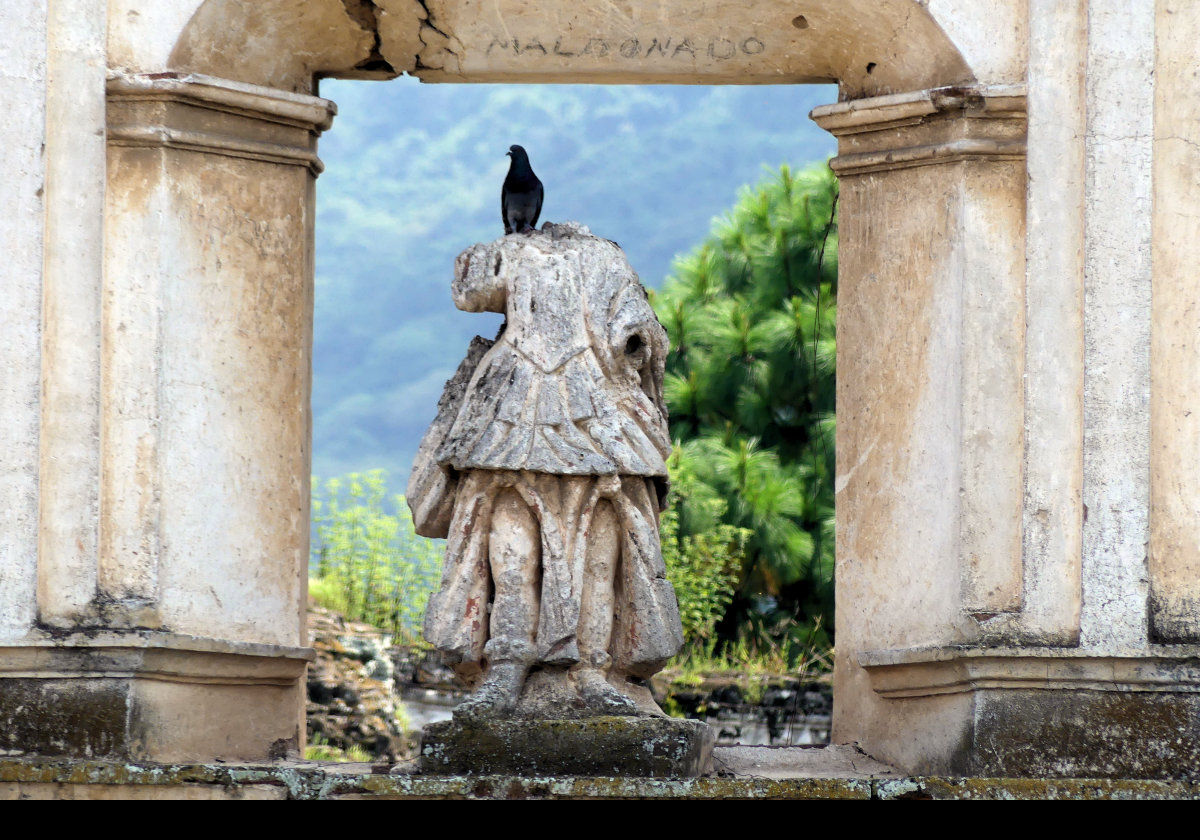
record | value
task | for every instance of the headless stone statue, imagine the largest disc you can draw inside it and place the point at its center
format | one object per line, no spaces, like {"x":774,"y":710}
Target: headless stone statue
{"x":545,"y":471}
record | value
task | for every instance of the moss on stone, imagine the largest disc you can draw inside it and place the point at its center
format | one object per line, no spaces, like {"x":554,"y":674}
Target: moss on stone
{"x":43,"y":776}
{"x":620,"y":746}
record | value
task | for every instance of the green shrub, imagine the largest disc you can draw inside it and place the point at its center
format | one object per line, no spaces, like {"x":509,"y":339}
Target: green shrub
{"x":319,"y":749}
{"x":704,"y":567}
{"x":367,"y":561}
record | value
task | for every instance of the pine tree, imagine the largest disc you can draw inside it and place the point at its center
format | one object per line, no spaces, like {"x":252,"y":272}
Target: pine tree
{"x":750,"y":385}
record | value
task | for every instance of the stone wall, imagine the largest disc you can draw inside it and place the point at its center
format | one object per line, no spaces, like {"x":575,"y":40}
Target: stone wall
{"x":48,"y":779}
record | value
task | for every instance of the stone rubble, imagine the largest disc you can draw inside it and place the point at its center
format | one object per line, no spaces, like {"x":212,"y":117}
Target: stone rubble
{"x":350,"y":689}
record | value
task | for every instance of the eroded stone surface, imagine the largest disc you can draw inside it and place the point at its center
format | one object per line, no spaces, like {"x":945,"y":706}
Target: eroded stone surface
{"x":836,"y":761}
{"x":545,"y":469}
{"x":600,"y":746}
{"x":279,"y":43}
{"x":67,"y":779}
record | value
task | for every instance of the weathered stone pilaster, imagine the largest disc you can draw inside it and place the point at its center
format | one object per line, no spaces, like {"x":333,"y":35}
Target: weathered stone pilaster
{"x":930,"y":385}
{"x":170,"y":621}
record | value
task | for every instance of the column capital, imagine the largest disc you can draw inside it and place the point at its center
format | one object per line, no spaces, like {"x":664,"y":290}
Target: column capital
{"x":218,"y":117}
{"x":919,"y":128}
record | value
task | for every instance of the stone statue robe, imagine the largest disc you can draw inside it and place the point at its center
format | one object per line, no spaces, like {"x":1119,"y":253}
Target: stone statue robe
{"x":566,"y":409}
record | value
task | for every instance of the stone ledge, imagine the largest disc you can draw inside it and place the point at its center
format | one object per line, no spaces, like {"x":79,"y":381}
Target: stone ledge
{"x":153,"y":654}
{"x":63,"y":779}
{"x":910,"y":108}
{"x":925,"y":672}
{"x":927,"y":127}
{"x":255,"y":101}
{"x":1055,"y":712}
{"x":196,"y":113}
{"x":150,"y":696}
{"x":150,"y":638}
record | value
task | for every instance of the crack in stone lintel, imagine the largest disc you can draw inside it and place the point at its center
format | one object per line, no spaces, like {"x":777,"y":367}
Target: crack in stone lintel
{"x":430,"y":48}
{"x":365,"y":14}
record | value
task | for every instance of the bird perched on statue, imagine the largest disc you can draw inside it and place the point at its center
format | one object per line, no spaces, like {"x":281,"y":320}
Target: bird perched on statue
{"x":521,"y":197}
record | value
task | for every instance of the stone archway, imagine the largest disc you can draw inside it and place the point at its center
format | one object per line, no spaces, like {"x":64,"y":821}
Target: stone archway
{"x":205,"y":330}
{"x":927,"y":156}
{"x":1017,"y":448}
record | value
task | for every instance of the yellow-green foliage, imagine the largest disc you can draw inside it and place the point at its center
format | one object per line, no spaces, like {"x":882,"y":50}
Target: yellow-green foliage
{"x":320,"y":750}
{"x":705,"y":567}
{"x":325,"y":592}
{"x":368,"y":562}
{"x":402,"y":718}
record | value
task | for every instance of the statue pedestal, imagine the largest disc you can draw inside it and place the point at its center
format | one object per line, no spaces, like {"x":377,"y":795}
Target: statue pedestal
{"x":599,"y":746}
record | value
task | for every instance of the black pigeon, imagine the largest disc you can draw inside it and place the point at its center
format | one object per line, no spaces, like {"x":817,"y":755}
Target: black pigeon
{"x":521,"y":198}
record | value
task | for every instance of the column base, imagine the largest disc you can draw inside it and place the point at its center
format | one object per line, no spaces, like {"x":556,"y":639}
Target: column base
{"x":1053,"y":712}
{"x":152,"y":696}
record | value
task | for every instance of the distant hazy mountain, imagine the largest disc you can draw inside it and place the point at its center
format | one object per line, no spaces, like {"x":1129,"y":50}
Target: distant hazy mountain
{"x":413,"y":175}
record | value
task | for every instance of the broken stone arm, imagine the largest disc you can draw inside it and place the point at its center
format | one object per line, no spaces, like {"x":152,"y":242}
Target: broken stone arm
{"x":479,"y":284}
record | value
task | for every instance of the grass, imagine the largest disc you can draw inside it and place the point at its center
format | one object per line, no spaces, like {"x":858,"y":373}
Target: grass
{"x":327,"y":594}
{"x":367,"y":561}
{"x":319,"y":749}
{"x":751,"y":663}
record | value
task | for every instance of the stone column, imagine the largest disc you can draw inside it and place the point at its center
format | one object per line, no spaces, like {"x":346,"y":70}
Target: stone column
{"x":1174,"y":551}
{"x":994,"y":484}
{"x":187,"y":638}
{"x":930,"y":430}
{"x":23,"y":183}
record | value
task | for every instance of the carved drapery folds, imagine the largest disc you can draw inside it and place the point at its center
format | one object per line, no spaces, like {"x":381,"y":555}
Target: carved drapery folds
{"x":545,"y":469}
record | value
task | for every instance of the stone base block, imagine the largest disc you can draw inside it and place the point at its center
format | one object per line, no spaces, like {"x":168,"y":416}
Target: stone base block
{"x":1030,"y":712}
{"x":600,"y":746}
{"x":1110,"y":734}
{"x":152,"y":697}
